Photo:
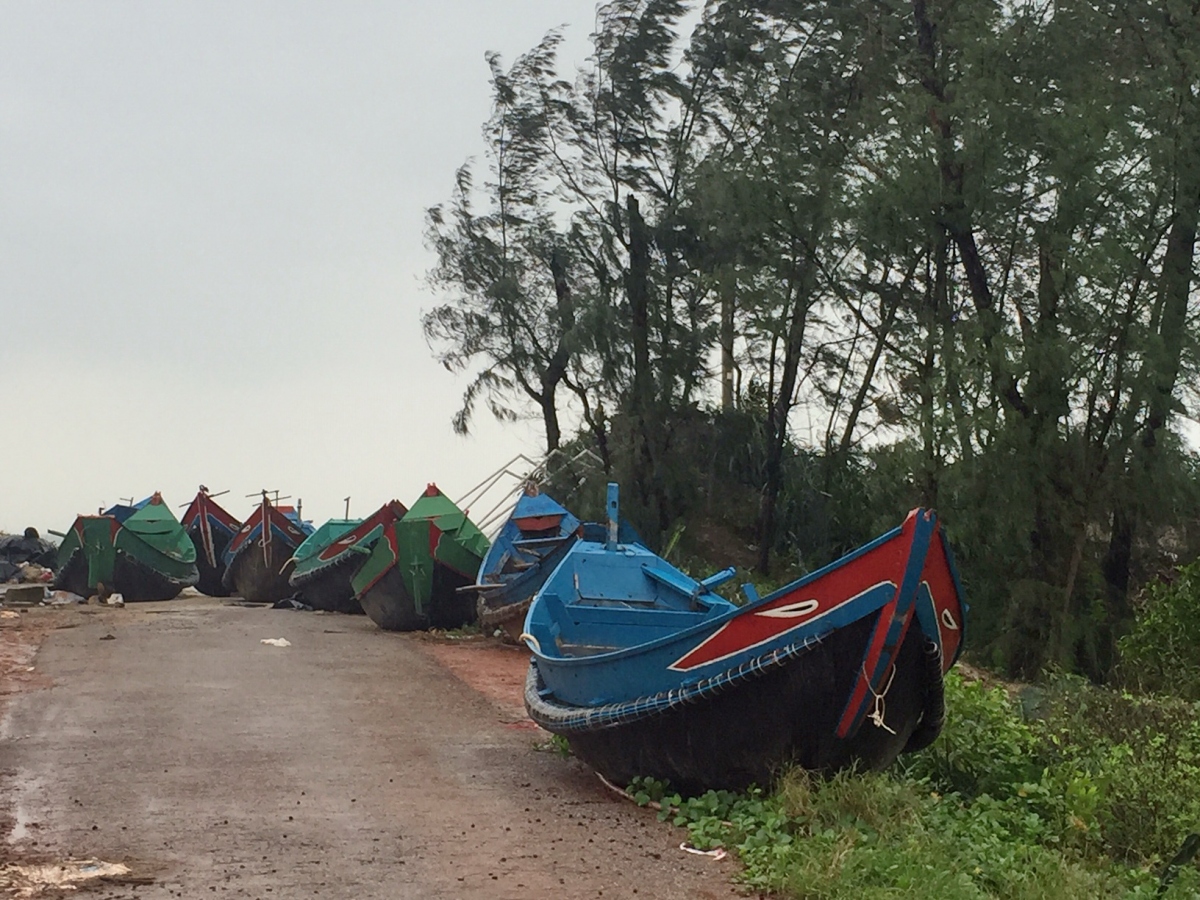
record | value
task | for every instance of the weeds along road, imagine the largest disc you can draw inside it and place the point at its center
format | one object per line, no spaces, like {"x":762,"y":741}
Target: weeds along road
{"x":348,"y":765}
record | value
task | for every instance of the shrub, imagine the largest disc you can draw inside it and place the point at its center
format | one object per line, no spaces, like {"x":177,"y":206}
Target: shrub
{"x":1161,"y":652}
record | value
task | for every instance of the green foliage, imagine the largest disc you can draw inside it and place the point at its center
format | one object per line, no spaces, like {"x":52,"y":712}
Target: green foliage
{"x":1139,"y":754}
{"x":1085,"y":799}
{"x":556,"y":744}
{"x":561,"y":746}
{"x":1162,"y":650}
{"x":985,"y":746}
{"x":959,"y":235}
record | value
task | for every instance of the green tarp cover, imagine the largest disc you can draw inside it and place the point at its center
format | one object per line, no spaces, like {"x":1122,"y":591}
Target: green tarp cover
{"x":433,"y":532}
{"x":156,"y":526}
{"x":151,"y":535}
{"x":323,"y":537}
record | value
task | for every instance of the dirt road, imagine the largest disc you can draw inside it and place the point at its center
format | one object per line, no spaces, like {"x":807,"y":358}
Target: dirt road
{"x":352,"y":764}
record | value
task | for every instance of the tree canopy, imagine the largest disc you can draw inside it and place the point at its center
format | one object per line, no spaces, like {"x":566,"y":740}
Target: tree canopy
{"x":842,"y":258}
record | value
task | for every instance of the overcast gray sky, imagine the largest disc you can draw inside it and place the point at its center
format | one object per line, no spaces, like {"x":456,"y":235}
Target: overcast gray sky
{"x":211,"y":257}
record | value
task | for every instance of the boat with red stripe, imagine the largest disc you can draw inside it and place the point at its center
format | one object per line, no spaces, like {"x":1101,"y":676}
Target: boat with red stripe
{"x":211,"y":528}
{"x":647,"y":671}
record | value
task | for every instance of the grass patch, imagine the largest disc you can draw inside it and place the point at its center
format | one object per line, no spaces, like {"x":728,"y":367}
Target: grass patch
{"x":1085,"y":795}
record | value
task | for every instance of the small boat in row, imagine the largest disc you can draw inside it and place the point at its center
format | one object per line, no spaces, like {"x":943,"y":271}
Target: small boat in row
{"x":325,"y":564}
{"x":139,"y":551}
{"x":532,"y":541}
{"x":536,"y":537}
{"x":211,"y":528}
{"x":412,"y":577}
{"x":255,"y":557}
{"x":648,"y":672}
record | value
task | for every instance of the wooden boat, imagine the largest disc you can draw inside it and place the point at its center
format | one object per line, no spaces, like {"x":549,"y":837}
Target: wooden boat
{"x":255,"y":558}
{"x":140,"y":552}
{"x":211,"y":529}
{"x":411,"y":579}
{"x":533,"y":540}
{"x":326,"y":561}
{"x":646,"y":671}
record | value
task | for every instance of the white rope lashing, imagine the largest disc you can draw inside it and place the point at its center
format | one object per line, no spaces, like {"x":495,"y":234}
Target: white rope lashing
{"x":880,"y":710}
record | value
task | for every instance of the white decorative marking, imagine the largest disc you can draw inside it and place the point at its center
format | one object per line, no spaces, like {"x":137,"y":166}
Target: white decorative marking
{"x":675,"y":667}
{"x":791,"y":610}
{"x":948,"y":620}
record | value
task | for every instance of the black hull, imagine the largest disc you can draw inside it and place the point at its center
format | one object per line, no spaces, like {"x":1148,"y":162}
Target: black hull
{"x":330,"y":589}
{"x":134,"y":581}
{"x":752,"y":731}
{"x":256,"y":580}
{"x":391,"y":607}
{"x":211,"y":577}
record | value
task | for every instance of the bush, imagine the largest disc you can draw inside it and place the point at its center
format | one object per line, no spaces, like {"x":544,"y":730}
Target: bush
{"x":1161,"y":653}
{"x":985,"y":746}
{"x":1086,"y":798}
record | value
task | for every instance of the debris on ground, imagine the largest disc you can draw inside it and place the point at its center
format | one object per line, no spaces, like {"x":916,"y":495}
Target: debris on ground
{"x":276,"y":642}
{"x":28,"y":551}
{"x":64,"y":598}
{"x":292,"y":602}
{"x":716,"y":853}
{"x":24,"y":594}
{"x":32,"y":573}
{"x":36,"y":879}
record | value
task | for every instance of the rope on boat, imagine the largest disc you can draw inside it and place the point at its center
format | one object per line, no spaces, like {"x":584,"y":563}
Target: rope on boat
{"x":880,"y":710}
{"x":529,"y":639}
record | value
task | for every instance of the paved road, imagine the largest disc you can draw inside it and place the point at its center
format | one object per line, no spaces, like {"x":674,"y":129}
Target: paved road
{"x":348,"y":765}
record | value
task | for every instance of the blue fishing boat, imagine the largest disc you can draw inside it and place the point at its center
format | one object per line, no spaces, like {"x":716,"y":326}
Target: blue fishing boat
{"x":532,"y":542}
{"x":646,"y":671}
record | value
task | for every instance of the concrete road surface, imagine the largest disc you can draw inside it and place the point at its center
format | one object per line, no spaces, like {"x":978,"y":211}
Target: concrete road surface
{"x":348,"y":765}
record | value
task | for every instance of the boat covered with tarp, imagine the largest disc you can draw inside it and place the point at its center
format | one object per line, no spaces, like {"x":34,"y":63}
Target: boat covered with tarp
{"x":325,"y":563}
{"x":211,"y":528}
{"x":649,"y":672}
{"x":533,"y":540}
{"x":412,"y":578}
{"x":139,"y":551}
{"x":255,"y":558}
{"x":20,"y":550}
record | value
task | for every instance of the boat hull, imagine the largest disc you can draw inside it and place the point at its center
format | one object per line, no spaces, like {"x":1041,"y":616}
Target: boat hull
{"x":507,"y":618}
{"x":330,"y":589}
{"x":133,"y":580}
{"x":390,"y":605}
{"x":211,"y":577}
{"x":256,"y":579}
{"x":752,"y":729}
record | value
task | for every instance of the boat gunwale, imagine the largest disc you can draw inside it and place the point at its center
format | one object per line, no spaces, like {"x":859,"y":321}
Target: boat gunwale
{"x":708,"y":624}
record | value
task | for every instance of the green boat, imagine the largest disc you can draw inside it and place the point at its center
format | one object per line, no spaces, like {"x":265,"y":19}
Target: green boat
{"x":412,"y":578}
{"x":325,"y":563}
{"x":140,"y":552}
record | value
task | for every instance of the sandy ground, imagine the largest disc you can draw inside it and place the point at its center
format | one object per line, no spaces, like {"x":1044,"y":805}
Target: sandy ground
{"x":352,"y":764}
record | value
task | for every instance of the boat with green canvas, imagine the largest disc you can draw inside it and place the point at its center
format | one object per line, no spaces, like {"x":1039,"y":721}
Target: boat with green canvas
{"x":325,"y":563}
{"x":412,"y":578}
{"x":141,"y":554}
